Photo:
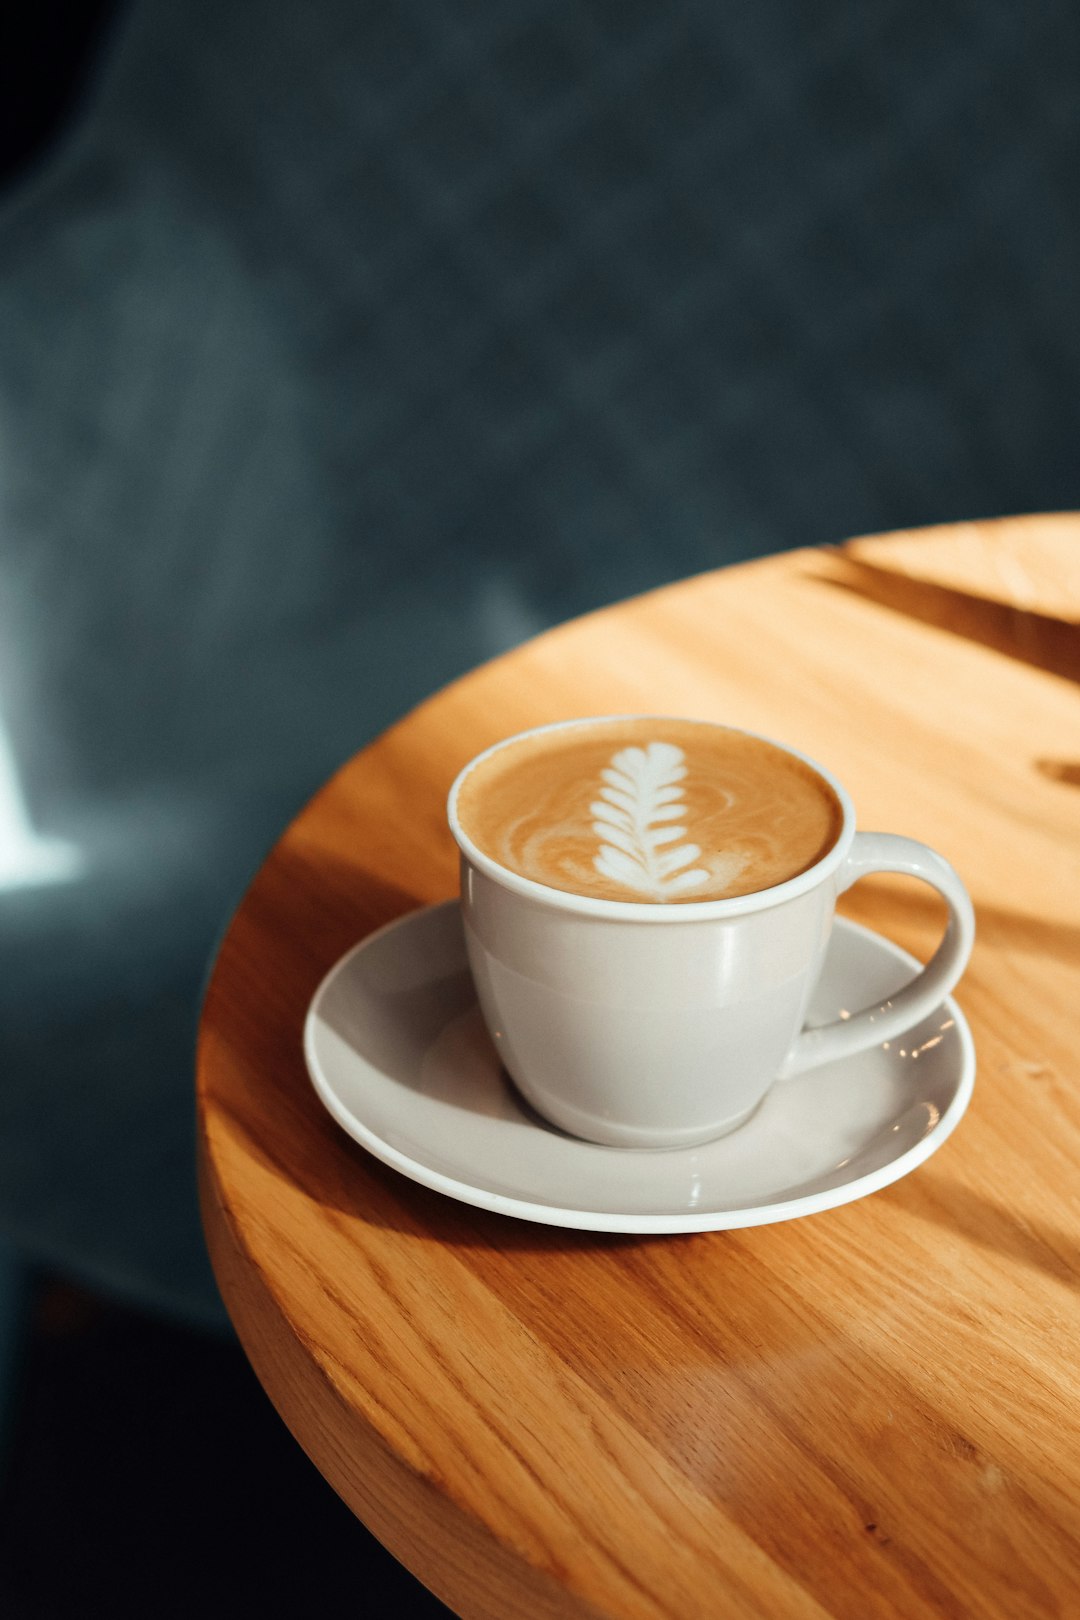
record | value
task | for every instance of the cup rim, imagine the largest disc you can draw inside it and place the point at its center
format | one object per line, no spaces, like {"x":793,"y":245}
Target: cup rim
{"x":644,"y":911}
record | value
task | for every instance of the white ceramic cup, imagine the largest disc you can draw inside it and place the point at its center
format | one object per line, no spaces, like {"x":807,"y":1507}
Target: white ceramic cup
{"x":647,"y":1026}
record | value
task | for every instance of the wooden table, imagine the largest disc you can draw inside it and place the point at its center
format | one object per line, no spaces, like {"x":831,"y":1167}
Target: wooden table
{"x":871,"y":1412}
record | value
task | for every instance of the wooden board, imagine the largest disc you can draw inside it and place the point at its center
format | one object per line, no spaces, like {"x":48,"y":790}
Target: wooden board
{"x":869,"y":1413}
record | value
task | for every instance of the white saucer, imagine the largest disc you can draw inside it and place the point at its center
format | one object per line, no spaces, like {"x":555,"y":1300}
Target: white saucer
{"x":398,"y":1054}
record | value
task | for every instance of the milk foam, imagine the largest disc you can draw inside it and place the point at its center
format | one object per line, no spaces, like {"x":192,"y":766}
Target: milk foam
{"x":660,"y":811}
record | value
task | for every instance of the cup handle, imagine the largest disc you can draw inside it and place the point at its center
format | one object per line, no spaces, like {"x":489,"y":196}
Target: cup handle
{"x":888,"y":852}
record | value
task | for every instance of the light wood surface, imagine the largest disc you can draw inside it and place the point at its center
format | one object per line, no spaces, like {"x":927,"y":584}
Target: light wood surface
{"x":871,"y":1412}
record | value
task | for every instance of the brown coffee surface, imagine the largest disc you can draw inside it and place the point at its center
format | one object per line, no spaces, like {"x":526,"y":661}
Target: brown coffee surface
{"x":657,"y":811}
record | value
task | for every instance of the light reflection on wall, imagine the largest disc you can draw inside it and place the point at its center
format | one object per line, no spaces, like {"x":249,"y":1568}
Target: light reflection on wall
{"x":26,"y":859}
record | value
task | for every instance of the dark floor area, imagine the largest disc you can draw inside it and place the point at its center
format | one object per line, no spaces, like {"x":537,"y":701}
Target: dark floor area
{"x":148,"y":1475}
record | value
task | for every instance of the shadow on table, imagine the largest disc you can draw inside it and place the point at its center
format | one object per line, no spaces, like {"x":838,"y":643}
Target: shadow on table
{"x":1033,"y":638}
{"x":1059,"y":770}
{"x":980,"y":1220}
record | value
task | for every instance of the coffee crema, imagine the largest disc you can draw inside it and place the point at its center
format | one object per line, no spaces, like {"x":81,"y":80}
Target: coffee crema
{"x":655,"y":811}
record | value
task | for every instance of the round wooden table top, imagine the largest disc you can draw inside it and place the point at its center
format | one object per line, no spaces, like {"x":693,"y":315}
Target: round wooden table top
{"x":874,"y":1411}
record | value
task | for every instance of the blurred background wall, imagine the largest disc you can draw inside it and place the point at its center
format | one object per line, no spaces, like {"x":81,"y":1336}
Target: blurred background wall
{"x":344,"y":345}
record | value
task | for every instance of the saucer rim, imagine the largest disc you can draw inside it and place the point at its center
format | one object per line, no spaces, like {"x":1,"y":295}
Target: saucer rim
{"x":651,"y":1224}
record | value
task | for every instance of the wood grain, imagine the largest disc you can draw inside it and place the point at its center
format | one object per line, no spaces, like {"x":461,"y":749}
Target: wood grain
{"x":869,"y":1413}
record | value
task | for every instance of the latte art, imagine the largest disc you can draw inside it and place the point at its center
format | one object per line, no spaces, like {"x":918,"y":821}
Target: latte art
{"x":639,"y":800}
{"x":665,"y":812}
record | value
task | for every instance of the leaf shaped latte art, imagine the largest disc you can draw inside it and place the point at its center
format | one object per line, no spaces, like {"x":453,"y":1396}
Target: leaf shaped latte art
{"x":638,"y":803}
